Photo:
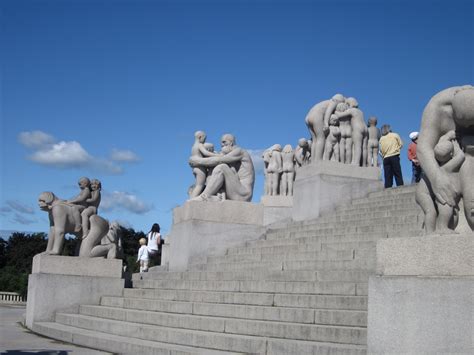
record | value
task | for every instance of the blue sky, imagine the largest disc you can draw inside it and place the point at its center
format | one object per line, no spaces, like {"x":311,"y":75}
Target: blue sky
{"x":116,"y":89}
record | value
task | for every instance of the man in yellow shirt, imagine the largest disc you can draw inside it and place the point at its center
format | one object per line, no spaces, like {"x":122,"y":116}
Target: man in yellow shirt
{"x":390,"y":146}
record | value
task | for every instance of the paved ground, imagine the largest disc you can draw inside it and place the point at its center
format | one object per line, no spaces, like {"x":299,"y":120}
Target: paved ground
{"x":17,"y":340}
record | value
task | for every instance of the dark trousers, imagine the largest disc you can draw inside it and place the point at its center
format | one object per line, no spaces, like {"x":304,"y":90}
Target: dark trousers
{"x":416,"y":173}
{"x":391,"y":168}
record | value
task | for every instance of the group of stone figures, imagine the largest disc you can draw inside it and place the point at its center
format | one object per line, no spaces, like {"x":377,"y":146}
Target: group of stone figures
{"x":78,"y":216}
{"x":339,"y":132}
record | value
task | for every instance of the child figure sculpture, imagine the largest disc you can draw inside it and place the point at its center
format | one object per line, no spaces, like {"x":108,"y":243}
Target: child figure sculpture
{"x":439,"y":217}
{"x":200,"y":173}
{"x":80,"y":201}
{"x":92,"y":206}
{"x":373,"y":142}
{"x":288,"y":171}
{"x":331,"y":149}
{"x":274,"y":169}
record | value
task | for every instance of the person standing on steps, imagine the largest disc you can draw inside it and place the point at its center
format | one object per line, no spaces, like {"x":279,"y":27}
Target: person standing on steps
{"x":390,"y":145}
{"x":415,"y":164}
{"x":154,"y":241}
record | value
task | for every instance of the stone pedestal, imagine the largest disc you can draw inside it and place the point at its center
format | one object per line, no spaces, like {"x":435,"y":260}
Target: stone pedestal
{"x":62,"y":283}
{"x":322,"y":186}
{"x":276,"y":208}
{"x":208,"y":228}
{"x":422,"y":299}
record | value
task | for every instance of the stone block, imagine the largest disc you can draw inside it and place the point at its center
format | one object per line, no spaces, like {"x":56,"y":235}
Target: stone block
{"x":62,"y":283}
{"x":319,"y":188}
{"x":208,"y":228}
{"x":79,"y":266}
{"x":420,"y":315}
{"x":438,"y":255}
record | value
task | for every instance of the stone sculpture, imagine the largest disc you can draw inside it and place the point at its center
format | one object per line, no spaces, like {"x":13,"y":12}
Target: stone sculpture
{"x":450,"y":110}
{"x":62,"y":220}
{"x":331,"y":147}
{"x":345,"y":142}
{"x":111,"y":244}
{"x":288,"y":171}
{"x":233,"y":172}
{"x":373,"y":142}
{"x":317,"y":121}
{"x":92,"y":205}
{"x":266,"y":160}
{"x":359,"y":132}
{"x":274,"y":169}
{"x":442,"y":217}
{"x":200,"y":173}
{"x":302,"y":153}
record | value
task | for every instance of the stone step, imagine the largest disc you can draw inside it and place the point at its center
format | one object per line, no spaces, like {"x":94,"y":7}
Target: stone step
{"x":256,"y":299}
{"x":361,"y":215}
{"x":325,"y":287}
{"x":116,"y":343}
{"x":184,"y":337}
{"x":259,"y":274}
{"x":355,"y":264}
{"x":279,"y":314}
{"x":238,"y":335}
{"x":298,"y":247}
{"x":395,"y":191}
{"x":283,"y":254}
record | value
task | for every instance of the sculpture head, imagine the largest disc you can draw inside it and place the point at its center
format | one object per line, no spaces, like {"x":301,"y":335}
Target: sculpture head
{"x":341,"y":107}
{"x":463,"y":108}
{"x":227,"y":143}
{"x":338,"y":98}
{"x":303,"y":143}
{"x":84,"y":182}
{"x":276,"y":147}
{"x":96,"y":185}
{"x":45,"y":200}
{"x":200,"y":136}
{"x":334,"y":120}
{"x":288,"y":149}
{"x":386,"y":129}
{"x":443,"y":151}
{"x":352,"y":102}
{"x":209,"y":147}
{"x":372,"y":121}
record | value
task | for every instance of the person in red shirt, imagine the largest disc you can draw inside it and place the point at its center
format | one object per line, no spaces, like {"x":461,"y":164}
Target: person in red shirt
{"x":415,"y":164}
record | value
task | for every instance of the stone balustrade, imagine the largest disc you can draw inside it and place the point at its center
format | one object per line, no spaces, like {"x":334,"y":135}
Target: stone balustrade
{"x":11,"y":297}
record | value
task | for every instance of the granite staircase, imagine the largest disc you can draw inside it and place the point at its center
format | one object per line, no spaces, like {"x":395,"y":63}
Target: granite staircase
{"x":301,"y":290}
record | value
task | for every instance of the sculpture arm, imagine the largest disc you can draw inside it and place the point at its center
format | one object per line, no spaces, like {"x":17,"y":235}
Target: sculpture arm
{"x":205,"y":152}
{"x":229,"y":158}
{"x":95,"y":196}
{"x":329,"y":111}
{"x":82,"y":197}
{"x":456,"y":161}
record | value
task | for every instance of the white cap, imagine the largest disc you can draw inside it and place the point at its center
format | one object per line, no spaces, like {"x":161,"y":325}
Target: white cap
{"x":413,"y":135}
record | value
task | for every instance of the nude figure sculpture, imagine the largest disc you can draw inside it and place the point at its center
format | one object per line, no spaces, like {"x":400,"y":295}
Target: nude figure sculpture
{"x":200,"y":173}
{"x":317,"y":121}
{"x":233,"y":171}
{"x":345,"y":127}
{"x":80,"y":201}
{"x":302,"y":153}
{"x":274,"y":169}
{"x":331,"y":148}
{"x":450,"y":109}
{"x":442,"y":218}
{"x":373,"y":142}
{"x":288,"y":171}
{"x":92,"y":205}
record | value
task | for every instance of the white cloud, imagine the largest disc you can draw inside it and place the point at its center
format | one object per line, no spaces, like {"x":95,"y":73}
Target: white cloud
{"x":125,"y":201}
{"x":18,"y":206}
{"x":63,"y":154}
{"x":126,"y":156}
{"x":256,"y":155}
{"x":35,"y":139}
{"x":69,"y":154}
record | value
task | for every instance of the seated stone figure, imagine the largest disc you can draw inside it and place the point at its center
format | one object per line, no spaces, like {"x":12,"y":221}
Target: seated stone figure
{"x":80,"y":201}
{"x":302,"y":153}
{"x":439,"y":217}
{"x":111,"y":244}
{"x":233,"y":171}
{"x":92,"y":205}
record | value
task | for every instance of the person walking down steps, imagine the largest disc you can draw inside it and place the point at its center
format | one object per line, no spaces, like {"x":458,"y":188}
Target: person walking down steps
{"x":143,"y":257}
{"x":390,"y":146}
